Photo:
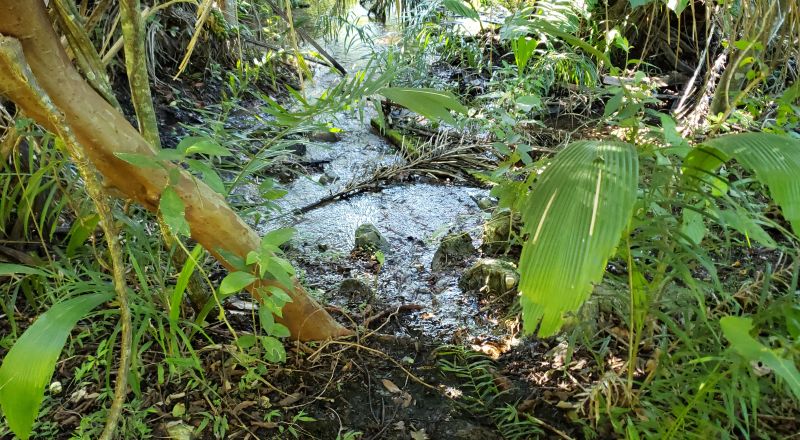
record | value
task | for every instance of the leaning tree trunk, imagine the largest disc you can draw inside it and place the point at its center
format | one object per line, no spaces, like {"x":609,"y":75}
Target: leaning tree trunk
{"x":103,"y":131}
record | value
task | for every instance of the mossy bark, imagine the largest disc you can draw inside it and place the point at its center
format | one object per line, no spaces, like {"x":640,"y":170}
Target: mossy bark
{"x":136,"y":66}
{"x":103,"y":131}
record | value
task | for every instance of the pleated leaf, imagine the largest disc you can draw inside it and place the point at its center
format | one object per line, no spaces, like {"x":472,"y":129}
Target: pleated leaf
{"x":574,"y":218}
{"x":29,"y":365}
{"x":774,"y":159}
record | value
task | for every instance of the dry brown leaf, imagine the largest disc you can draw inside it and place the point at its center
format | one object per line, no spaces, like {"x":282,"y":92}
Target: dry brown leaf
{"x":394,"y":389}
{"x":290,"y":399}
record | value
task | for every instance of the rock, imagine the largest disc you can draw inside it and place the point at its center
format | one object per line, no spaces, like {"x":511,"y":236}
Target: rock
{"x":463,"y":430}
{"x":486,"y":203}
{"x":326,"y":179}
{"x":454,"y":249}
{"x":354,"y":288}
{"x":178,"y":430}
{"x":499,"y":233}
{"x":369,"y":239}
{"x":298,"y":149}
{"x":491,"y":277}
{"x":325,"y":136}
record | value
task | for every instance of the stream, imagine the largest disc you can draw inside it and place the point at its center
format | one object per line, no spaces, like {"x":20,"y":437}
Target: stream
{"x":412,"y":217}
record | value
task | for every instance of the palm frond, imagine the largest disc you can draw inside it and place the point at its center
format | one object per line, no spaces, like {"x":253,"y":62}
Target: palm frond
{"x":574,"y":218}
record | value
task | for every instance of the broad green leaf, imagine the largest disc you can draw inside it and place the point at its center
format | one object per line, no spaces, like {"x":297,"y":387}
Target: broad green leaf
{"x":236,"y":281}
{"x":266,"y":317}
{"x":574,"y":217}
{"x":279,"y":330}
{"x":774,"y":159}
{"x":7,"y":269}
{"x":173,"y":211}
{"x":277,"y":237}
{"x":737,"y":330}
{"x":462,"y":8}
{"x":29,"y":365}
{"x":202,"y":145}
{"x":693,"y":225}
{"x":527,"y":103}
{"x":169,"y":154}
{"x":273,"y":348}
{"x":433,"y":104}
{"x":210,"y":177}
{"x":140,"y":160}
{"x":246,"y":341}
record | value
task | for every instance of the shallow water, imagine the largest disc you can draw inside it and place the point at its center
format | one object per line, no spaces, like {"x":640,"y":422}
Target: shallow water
{"x":411,"y":216}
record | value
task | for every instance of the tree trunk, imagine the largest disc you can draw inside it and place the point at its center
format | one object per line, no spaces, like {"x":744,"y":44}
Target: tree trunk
{"x":103,"y":131}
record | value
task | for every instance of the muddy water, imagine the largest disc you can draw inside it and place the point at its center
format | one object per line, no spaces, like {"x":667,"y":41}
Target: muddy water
{"x":411,"y":216}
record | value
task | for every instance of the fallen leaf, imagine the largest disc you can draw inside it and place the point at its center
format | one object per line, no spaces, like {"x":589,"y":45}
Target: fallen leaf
{"x":290,"y":399}
{"x":394,"y":389}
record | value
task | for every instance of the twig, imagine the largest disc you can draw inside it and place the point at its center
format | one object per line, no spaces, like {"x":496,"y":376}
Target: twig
{"x":390,"y":313}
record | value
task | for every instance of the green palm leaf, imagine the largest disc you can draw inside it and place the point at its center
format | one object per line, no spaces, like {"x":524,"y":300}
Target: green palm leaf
{"x":774,"y":159}
{"x":574,"y":217}
{"x":29,"y":365}
{"x":433,"y":104}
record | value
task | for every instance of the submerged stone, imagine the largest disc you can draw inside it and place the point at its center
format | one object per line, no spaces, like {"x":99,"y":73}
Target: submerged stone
{"x":490,"y":277}
{"x":454,"y":249}
{"x":369,"y":239}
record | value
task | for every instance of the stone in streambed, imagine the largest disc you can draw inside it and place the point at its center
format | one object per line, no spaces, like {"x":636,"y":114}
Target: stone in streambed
{"x":325,"y":136}
{"x":453,"y":250}
{"x":369,"y":239}
{"x":354,"y":288}
{"x":499,"y":231}
{"x":491,"y":277}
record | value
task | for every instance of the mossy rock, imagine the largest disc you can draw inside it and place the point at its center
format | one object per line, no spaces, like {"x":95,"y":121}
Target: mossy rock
{"x":490,"y":277}
{"x":499,"y":233}
{"x":355,"y":289}
{"x":369,"y":239}
{"x":454,"y":249}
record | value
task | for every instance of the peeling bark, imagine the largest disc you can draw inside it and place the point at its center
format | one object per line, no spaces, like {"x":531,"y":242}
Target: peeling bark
{"x":103,"y":131}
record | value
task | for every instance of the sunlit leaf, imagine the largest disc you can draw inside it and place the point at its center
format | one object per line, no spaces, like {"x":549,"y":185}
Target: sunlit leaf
{"x":202,"y":145}
{"x":236,"y":281}
{"x":433,"y":104}
{"x":29,"y":365}
{"x":573,"y":219}
{"x":462,"y":8}
{"x":774,"y":159}
{"x":173,"y":211}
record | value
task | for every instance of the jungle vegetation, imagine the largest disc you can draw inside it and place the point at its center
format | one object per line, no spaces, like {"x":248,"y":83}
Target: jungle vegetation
{"x":637,"y":161}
